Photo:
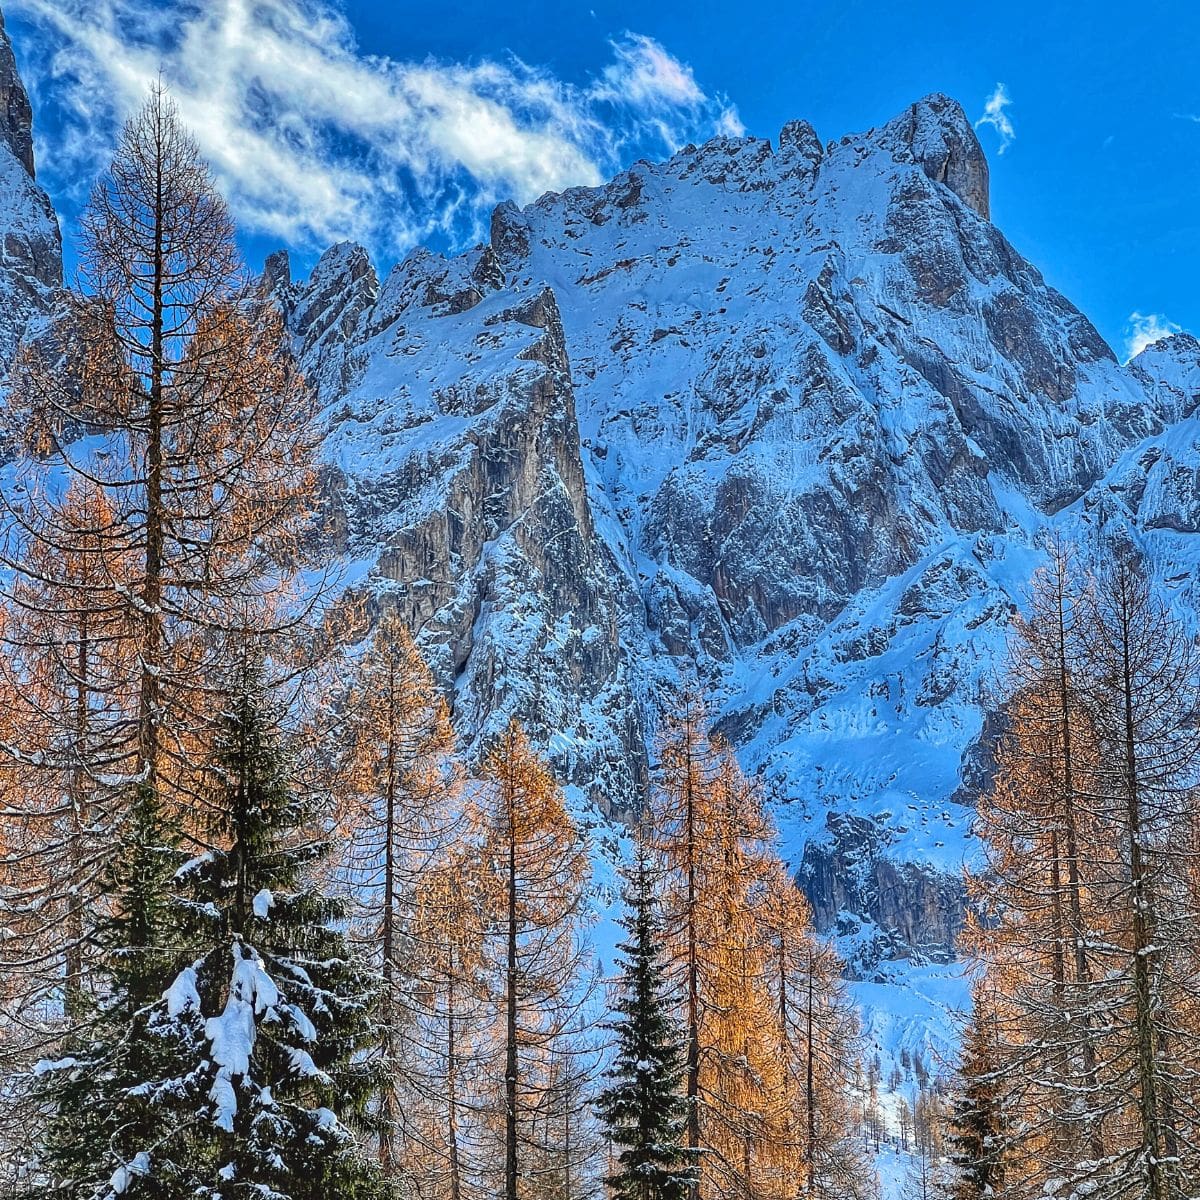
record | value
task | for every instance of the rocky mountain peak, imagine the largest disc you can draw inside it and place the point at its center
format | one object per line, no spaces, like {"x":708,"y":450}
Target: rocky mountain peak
{"x":787,"y":418}
{"x":16,"y":116}
{"x":1170,"y":371}
{"x":1181,"y":348}
{"x":936,"y":133}
{"x":277,"y":273}
{"x":325,"y":312}
{"x":798,"y":140}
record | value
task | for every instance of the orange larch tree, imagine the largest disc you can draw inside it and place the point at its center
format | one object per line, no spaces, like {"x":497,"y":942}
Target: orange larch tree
{"x":818,"y":1043}
{"x":156,"y":525}
{"x":743,"y":952}
{"x":399,"y":809}
{"x":167,"y":388}
{"x":540,"y":868}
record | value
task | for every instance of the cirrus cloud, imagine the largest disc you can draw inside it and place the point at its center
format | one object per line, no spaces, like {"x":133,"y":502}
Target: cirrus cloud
{"x":313,"y":140}
{"x":644,"y":73}
{"x":995,"y":116}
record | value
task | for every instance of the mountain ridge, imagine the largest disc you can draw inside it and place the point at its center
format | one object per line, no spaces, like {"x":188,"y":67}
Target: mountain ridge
{"x":786,"y":419}
{"x":812,"y":386}
{"x":808,"y":412}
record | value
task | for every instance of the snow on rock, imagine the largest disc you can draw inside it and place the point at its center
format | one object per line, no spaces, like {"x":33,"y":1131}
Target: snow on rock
{"x":936,"y":133}
{"x":791,"y":418}
{"x":454,"y":455}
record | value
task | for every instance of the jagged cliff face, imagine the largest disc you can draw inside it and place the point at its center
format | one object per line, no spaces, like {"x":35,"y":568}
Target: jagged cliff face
{"x":456,"y":476}
{"x":30,"y":244}
{"x":790,"y":417}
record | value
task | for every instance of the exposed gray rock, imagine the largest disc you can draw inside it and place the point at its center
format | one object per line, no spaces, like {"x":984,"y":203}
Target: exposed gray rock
{"x":936,"y":133}
{"x":16,"y":116}
{"x":461,"y":485}
{"x":277,"y":273}
{"x":881,"y":909}
{"x":30,"y":242}
{"x":798,"y":142}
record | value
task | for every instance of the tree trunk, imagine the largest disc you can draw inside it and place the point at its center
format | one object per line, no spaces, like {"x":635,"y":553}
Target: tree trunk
{"x":387,"y":1154}
{"x":452,"y":1086}
{"x":810,"y":1091}
{"x":693,"y":990}
{"x":149,"y":703}
{"x":1142,"y":947}
{"x":73,"y":983}
{"x":1083,"y":974}
{"x":511,"y":1064}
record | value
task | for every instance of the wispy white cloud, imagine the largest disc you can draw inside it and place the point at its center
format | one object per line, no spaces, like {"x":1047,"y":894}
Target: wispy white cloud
{"x":1144,"y":329}
{"x":729,"y":124}
{"x":314,"y":140}
{"x":1193,"y":117}
{"x":644,"y":73}
{"x":646,"y":82}
{"x":994,"y":115}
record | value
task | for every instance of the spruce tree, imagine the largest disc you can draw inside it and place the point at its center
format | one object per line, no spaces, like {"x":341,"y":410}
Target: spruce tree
{"x":225,"y":1060}
{"x":976,"y":1132}
{"x":116,"y":1093}
{"x":643,"y":1106}
{"x":976,"y":1128}
{"x":286,"y":1007}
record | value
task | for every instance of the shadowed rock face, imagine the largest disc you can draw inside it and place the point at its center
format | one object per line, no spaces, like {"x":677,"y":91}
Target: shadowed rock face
{"x":884,"y":909}
{"x":30,"y":243}
{"x":16,"y":117}
{"x":454,"y":454}
{"x":789,"y":418}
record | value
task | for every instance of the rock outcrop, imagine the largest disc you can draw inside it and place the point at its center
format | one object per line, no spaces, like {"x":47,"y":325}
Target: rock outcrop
{"x":455,"y":454}
{"x":30,"y":242}
{"x":16,"y":116}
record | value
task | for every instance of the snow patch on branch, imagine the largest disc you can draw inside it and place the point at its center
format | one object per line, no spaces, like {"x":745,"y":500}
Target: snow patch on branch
{"x":232,"y":1034}
{"x":124,"y":1175}
{"x":263,"y":903}
{"x":182,"y":995}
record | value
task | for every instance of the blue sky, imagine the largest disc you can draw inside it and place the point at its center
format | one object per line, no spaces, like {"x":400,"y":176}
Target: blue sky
{"x":393,"y":122}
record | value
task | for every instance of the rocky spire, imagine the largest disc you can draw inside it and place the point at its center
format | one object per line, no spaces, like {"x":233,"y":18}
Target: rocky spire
{"x":31,"y":258}
{"x":938,"y":135}
{"x":16,"y":117}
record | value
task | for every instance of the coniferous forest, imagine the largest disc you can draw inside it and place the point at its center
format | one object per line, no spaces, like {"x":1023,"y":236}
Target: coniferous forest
{"x":270,"y":931}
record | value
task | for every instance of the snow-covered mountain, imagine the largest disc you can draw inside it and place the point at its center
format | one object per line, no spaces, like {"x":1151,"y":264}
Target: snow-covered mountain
{"x":790,"y":416}
{"x":786,"y":416}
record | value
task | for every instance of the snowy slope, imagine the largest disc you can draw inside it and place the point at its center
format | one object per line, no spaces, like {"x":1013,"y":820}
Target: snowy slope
{"x":791,"y":417}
